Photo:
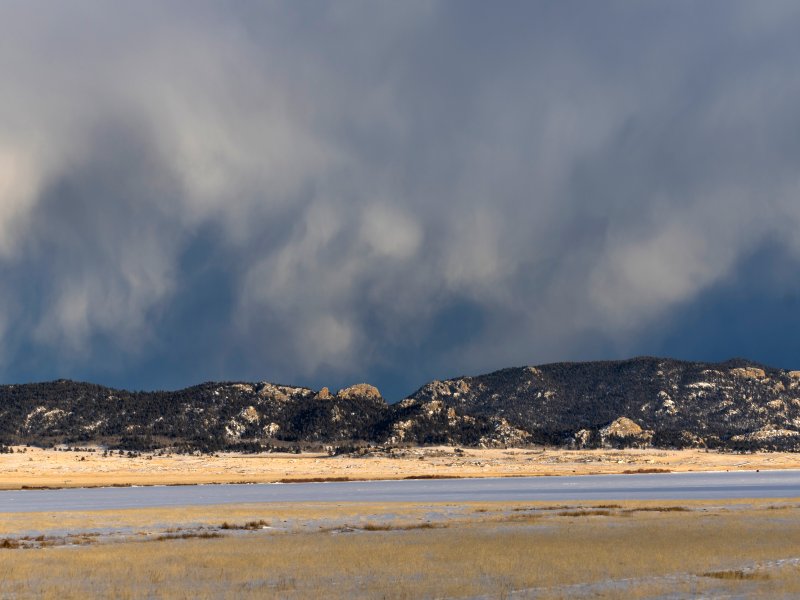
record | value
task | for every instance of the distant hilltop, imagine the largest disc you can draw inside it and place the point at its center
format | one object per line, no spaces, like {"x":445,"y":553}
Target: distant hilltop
{"x":641,"y":402}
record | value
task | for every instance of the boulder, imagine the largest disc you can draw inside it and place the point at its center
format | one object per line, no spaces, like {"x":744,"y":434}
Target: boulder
{"x":625,"y":432}
{"x":748,"y":372}
{"x":359,"y":390}
{"x":622,"y":427}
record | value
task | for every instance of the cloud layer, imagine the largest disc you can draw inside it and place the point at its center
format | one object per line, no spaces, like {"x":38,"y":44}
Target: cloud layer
{"x":393,"y":191}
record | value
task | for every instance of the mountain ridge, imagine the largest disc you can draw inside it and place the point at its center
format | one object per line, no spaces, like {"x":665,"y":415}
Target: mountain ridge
{"x":643,"y":401}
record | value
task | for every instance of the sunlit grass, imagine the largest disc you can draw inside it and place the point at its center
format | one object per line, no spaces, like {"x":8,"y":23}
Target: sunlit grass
{"x":634,"y":549}
{"x":37,"y":468}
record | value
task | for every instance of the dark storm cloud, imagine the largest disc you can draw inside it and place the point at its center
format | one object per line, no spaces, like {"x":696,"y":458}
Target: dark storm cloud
{"x":321,"y":193}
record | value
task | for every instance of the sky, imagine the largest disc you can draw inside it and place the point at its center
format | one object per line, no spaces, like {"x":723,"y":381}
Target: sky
{"x":323,"y":193}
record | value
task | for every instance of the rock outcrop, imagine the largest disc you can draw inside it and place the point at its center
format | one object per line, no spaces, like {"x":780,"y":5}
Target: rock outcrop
{"x":624,"y":432}
{"x":359,"y":390}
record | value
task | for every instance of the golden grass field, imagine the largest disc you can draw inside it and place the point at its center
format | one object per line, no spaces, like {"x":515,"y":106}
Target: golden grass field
{"x":394,"y":550}
{"x":49,"y":468}
{"x":654,"y":549}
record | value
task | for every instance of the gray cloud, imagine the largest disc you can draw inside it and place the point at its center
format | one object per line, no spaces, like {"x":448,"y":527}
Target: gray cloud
{"x":343,"y":182}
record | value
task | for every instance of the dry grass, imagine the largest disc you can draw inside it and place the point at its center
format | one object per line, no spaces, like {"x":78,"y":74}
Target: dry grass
{"x":393,"y":527}
{"x":249,"y":526}
{"x":203,"y":535}
{"x":630,"y":552}
{"x":647,"y":470}
{"x":737,"y":575}
{"x":658,"y":509}
{"x":584,"y":513}
{"x":212,"y":516}
{"x":36,"y":468}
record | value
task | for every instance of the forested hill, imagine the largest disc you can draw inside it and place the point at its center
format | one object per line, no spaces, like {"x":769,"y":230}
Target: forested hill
{"x":646,"y":401}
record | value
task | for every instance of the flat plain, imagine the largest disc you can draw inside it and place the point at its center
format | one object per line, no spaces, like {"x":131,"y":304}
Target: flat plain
{"x":35,"y":467}
{"x":395,"y":550}
{"x":634,"y":549}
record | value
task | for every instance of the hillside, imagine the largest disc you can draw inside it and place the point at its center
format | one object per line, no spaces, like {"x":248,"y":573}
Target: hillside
{"x":735,"y":405}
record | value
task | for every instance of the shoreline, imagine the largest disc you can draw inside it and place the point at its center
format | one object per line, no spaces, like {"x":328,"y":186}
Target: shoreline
{"x":33,"y":468}
{"x":26,"y":488}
